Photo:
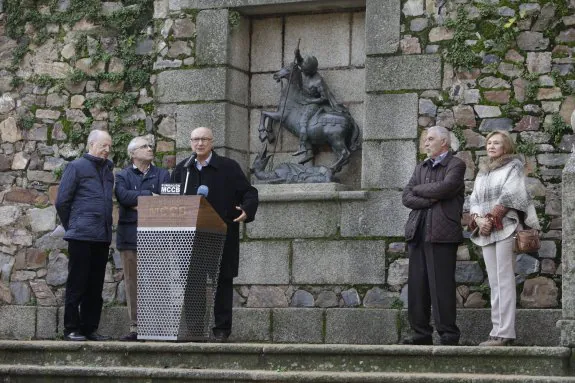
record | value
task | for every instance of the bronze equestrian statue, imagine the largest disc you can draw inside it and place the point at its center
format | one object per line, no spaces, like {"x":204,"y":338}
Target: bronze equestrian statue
{"x":308,"y":109}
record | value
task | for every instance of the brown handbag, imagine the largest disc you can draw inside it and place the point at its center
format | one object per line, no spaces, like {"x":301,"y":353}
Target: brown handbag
{"x":526,"y":241}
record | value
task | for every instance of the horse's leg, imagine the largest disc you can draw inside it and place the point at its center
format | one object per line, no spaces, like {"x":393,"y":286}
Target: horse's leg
{"x":339,"y":147}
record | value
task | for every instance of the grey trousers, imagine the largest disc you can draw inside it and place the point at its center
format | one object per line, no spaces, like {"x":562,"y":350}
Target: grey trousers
{"x":130,"y":261}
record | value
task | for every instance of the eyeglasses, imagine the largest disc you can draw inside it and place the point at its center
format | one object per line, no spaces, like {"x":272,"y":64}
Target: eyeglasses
{"x":202,"y":139}
{"x":145,"y":146}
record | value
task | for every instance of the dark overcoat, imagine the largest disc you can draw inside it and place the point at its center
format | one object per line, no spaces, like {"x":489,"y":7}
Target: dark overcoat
{"x":84,"y":200}
{"x":435,"y":195}
{"x":228,"y":187}
{"x":130,"y":184}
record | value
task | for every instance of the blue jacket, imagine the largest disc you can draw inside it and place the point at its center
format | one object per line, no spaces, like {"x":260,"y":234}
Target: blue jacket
{"x":130,"y":184}
{"x":84,"y":201}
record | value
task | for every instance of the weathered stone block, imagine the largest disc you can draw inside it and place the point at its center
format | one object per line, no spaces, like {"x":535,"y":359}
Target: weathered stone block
{"x":46,"y":324}
{"x":237,"y":87}
{"x":382,"y":214}
{"x":326,"y":37}
{"x":346,"y":85}
{"x":212,"y":37}
{"x":382,"y":26}
{"x":350,"y":326}
{"x":17,"y":322}
{"x":239,"y":45}
{"x":265,"y":91}
{"x":266,"y":49}
{"x":267,"y":296}
{"x":263,"y":263}
{"x":228,"y":122}
{"x":251,"y":325}
{"x":297,"y":325}
{"x":114,"y":321}
{"x":390,"y":116}
{"x":358,"y":38}
{"x":295,"y":220}
{"x":42,"y":219}
{"x":338,"y":262}
{"x":191,"y":85}
{"x":403,"y":72}
{"x":379,"y":158}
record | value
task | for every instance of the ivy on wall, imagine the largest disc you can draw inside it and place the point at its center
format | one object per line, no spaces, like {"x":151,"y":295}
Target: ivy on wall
{"x":126,"y":24}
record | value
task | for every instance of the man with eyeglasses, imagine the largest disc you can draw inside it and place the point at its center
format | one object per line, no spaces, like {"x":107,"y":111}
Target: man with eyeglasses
{"x":234,"y":199}
{"x":84,"y":205}
{"x":140,"y":178}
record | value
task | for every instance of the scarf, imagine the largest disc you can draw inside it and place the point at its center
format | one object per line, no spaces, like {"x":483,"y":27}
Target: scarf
{"x":502,"y":182}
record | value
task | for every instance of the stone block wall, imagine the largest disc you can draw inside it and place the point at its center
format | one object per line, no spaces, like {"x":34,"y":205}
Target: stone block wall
{"x":326,"y":255}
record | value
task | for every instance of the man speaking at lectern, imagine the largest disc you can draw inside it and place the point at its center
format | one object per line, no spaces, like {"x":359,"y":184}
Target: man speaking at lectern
{"x":233,"y":198}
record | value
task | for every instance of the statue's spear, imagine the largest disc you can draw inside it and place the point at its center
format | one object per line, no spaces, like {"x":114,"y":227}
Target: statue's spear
{"x":284,"y":107}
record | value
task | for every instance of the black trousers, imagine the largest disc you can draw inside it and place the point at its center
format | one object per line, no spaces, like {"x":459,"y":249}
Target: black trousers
{"x":86,"y":270}
{"x":431,"y":286}
{"x":223,"y":305}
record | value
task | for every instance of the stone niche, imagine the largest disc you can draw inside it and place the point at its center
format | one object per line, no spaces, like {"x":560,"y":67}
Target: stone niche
{"x":337,"y":39}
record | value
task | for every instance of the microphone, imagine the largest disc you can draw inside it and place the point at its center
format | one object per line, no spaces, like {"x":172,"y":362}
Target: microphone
{"x":203,"y":191}
{"x":190,"y":160}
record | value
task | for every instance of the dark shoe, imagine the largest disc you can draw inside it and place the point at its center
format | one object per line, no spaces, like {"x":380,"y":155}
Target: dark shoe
{"x":75,"y":337}
{"x":449,"y":341}
{"x":131,"y":337}
{"x":97,"y":337}
{"x":221,"y":336}
{"x":418,"y":341}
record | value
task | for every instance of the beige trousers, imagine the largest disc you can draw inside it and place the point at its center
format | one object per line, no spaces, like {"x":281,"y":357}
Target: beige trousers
{"x":500,"y":264}
{"x":130,"y":262}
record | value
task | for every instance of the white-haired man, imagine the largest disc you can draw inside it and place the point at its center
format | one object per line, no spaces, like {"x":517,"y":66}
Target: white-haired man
{"x":433,"y":231}
{"x":140,"y":178}
{"x":84,"y":205}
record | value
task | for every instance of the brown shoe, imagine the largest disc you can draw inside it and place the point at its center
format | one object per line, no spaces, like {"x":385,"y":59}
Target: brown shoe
{"x":494,"y":341}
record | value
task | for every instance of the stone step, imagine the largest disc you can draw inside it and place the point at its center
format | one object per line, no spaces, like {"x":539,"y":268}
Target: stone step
{"x":534,"y":361}
{"x":74,"y":374}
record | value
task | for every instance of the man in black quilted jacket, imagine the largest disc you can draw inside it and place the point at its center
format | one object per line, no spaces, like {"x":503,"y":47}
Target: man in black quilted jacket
{"x":433,"y":231}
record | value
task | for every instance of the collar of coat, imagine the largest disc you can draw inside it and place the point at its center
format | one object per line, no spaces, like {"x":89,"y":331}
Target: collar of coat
{"x":215,"y":161}
{"x":99,"y":161}
{"x":443,"y":162}
{"x":488,"y":165}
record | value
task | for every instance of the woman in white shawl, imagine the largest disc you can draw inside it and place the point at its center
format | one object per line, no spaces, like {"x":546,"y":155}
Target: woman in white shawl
{"x":500,"y":204}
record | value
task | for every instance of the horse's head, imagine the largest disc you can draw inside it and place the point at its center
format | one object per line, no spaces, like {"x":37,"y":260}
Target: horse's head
{"x":285,"y":72}
{"x":261,"y":160}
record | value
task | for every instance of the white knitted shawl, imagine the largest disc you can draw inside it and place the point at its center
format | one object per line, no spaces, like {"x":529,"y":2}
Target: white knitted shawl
{"x":502,"y":182}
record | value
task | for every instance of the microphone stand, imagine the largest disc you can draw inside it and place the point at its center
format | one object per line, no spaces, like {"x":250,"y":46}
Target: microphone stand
{"x":187,"y":165}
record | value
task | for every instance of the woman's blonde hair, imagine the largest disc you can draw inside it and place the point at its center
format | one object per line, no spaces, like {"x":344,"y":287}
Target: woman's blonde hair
{"x":508,"y":144}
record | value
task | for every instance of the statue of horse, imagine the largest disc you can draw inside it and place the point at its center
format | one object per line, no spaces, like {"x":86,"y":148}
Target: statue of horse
{"x":288,"y":173}
{"x":337,"y":129}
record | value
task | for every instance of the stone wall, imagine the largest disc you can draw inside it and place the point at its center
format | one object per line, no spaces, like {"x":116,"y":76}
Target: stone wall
{"x":397,"y":65}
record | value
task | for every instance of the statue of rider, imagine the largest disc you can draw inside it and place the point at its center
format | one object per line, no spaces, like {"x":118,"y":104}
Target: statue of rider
{"x":316,"y":96}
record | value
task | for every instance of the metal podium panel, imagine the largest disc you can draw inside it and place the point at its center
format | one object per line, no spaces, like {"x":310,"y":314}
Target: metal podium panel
{"x":177,"y":278}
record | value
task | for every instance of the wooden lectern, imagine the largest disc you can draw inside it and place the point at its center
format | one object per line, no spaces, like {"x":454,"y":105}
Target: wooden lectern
{"x":180,"y":245}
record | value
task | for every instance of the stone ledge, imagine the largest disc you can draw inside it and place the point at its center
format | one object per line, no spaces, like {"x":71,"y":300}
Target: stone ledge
{"x":254,"y":7}
{"x":308,"y":192}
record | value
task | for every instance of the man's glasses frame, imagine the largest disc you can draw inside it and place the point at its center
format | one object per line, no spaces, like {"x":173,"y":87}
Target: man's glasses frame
{"x":196,"y":140}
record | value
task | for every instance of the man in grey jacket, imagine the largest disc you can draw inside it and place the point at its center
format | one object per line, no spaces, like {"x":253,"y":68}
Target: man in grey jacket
{"x":84,"y":205}
{"x":435,"y":194}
